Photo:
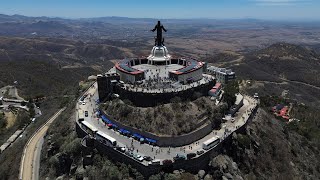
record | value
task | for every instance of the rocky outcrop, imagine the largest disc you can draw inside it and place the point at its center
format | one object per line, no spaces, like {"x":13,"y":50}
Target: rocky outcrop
{"x":267,"y":150}
{"x":223,"y":167}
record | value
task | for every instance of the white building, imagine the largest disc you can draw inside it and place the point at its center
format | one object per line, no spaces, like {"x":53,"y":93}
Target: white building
{"x":222,"y":75}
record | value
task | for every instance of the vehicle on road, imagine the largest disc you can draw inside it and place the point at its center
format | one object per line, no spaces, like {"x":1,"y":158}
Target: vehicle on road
{"x":121,"y":149}
{"x":155,"y":162}
{"x":147,"y":158}
{"x":191,"y":155}
{"x":200,"y":152}
{"x":80,"y":115}
{"x":211,"y":142}
{"x":139,"y":158}
{"x":179,"y":157}
{"x":105,"y":139}
{"x":129,"y":153}
{"x":89,"y":128}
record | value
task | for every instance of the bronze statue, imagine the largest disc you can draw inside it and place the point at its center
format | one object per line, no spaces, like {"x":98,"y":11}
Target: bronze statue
{"x":159,"y":40}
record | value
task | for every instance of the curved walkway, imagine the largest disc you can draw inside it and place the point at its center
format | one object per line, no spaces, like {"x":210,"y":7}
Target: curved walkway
{"x":156,"y":152}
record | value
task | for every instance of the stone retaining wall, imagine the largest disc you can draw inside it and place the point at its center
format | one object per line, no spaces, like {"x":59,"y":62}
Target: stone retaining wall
{"x":172,"y":141}
{"x":192,"y":165}
{"x":143,"y":99}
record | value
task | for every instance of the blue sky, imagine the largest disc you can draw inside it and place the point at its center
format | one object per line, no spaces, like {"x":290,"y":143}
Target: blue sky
{"x":219,"y":9}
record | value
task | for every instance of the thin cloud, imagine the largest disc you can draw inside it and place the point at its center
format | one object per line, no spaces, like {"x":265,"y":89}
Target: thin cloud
{"x":280,"y":2}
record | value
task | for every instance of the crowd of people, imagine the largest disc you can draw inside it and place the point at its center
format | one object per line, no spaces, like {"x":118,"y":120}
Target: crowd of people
{"x":158,"y":84}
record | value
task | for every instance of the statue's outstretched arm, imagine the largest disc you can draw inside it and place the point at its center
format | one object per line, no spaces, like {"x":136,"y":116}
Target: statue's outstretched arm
{"x":154,"y":28}
{"x":164,"y":29}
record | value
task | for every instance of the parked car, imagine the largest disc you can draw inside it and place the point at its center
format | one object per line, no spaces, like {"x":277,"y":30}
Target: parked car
{"x":200,"y":152}
{"x":121,"y":149}
{"x":155,"y":162}
{"x":129,"y":153}
{"x":179,"y":157}
{"x":86,"y":114}
{"x":191,"y":155}
{"x":147,"y":158}
{"x":139,"y":158}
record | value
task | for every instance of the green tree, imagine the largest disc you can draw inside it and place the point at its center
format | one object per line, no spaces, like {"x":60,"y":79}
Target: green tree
{"x":230,"y":91}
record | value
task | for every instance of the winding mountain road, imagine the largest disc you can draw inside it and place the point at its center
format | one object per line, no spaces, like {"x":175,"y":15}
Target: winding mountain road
{"x":29,"y":167}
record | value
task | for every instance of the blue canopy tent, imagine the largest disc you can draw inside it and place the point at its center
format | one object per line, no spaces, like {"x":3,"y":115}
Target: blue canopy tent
{"x":137,"y":136}
{"x":105,"y":119}
{"x":124,"y":132}
{"x":121,"y":131}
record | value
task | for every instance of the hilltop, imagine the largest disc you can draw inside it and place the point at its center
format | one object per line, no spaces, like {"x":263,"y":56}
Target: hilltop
{"x":49,"y":56}
{"x":281,"y":61}
{"x":279,"y":67}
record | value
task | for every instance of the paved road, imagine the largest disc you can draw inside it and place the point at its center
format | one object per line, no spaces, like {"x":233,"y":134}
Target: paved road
{"x":163,"y":152}
{"x":29,"y":158}
{"x":36,"y":159}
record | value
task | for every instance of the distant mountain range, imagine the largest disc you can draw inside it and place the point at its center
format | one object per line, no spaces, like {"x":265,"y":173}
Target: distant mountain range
{"x":127,"y":28}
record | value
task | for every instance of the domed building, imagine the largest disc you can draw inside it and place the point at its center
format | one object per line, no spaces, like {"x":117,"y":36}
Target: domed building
{"x":157,"y":78}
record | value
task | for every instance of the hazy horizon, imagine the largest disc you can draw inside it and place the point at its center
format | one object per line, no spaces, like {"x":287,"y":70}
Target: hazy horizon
{"x":166,"y":9}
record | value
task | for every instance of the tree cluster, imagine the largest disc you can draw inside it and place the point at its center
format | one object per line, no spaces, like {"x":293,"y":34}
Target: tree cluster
{"x":230,"y":91}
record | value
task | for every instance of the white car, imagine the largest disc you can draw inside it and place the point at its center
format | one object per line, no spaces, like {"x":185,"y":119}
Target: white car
{"x":139,"y":158}
{"x":123,"y":149}
{"x":83,"y":103}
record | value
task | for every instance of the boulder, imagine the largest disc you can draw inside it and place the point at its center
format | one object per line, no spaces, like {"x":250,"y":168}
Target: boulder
{"x":201,"y":174}
{"x":224,"y":178}
{"x":176,"y":172}
{"x":208,"y":177}
{"x":228,"y":175}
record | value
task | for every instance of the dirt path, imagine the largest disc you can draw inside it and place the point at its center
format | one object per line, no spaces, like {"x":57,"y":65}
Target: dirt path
{"x":294,"y":82}
{"x":29,"y":153}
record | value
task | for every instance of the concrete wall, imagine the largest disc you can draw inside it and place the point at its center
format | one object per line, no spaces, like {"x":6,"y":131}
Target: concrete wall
{"x":143,"y":99}
{"x":192,"y":165}
{"x":196,"y":75}
{"x":172,"y":141}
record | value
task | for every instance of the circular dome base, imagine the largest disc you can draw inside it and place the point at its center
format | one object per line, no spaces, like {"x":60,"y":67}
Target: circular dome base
{"x":159,"y":55}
